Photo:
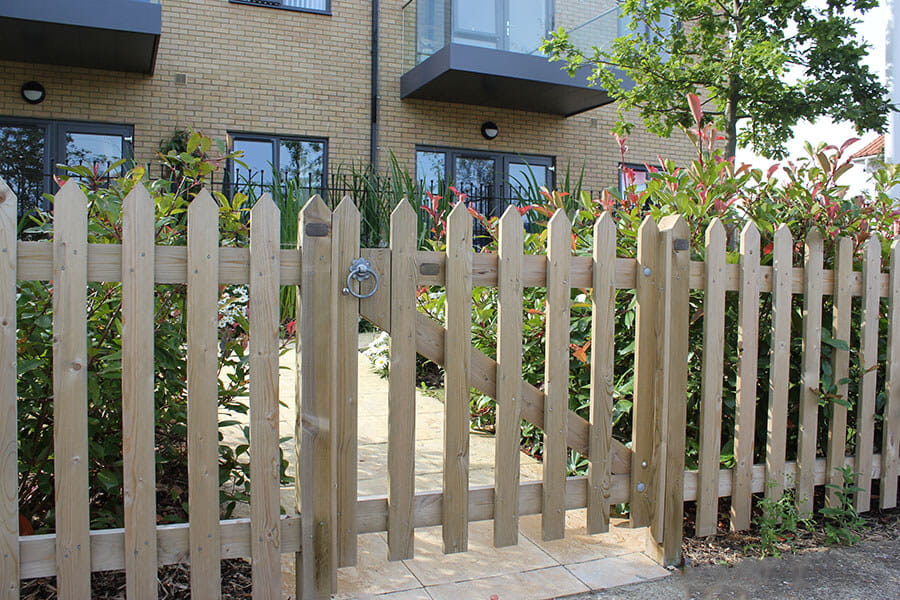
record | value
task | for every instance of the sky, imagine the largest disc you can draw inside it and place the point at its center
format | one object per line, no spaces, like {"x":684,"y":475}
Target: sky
{"x":873,"y":28}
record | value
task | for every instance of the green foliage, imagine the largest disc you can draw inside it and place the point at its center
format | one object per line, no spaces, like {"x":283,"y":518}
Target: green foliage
{"x":104,"y":323}
{"x":842,"y":522}
{"x":765,"y":64}
{"x":779,"y":522}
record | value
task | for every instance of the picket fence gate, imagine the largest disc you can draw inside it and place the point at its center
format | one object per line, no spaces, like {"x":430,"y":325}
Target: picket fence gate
{"x":650,"y":476}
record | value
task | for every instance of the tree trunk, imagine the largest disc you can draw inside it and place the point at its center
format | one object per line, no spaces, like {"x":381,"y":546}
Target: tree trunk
{"x":731,"y":117}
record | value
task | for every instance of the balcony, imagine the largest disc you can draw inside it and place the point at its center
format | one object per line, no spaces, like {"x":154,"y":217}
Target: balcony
{"x":119,"y":35}
{"x":486,"y":52}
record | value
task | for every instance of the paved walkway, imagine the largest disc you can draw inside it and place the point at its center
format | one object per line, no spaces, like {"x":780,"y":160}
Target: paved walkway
{"x":532,"y":570}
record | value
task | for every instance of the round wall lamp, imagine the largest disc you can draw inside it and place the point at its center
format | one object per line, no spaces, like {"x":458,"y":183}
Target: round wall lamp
{"x":489,"y":130}
{"x":33,"y":92}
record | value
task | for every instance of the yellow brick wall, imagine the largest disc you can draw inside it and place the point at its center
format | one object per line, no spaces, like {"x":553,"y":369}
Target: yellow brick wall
{"x":262,"y":70}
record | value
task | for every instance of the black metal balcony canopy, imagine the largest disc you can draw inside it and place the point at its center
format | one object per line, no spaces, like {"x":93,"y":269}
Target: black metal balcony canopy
{"x":498,"y":78}
{"x":119,"y":35}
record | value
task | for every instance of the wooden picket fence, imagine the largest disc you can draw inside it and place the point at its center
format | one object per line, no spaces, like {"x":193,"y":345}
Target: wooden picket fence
{"x":650,"y":476}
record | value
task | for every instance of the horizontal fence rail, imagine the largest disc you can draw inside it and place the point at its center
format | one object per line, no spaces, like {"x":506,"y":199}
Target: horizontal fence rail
{"x":651,"y":475}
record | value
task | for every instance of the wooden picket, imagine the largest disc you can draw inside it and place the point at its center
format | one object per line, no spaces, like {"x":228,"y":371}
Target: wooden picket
{"x":713,"y":367}
{"x":747,"y":382}
{"x":556,"y":375}
{"x":509,"y":378}
{"x":70,"y":379}
{"x":809,"y":384}
{"x":9,"y":467}
{"x":264,"y":312}
{"x":868,"y":359}
{"x":202,"y":396}
{"x":840,"y":366}
{"x":652,"y":476}
{"x":402,"y":385}
{"x":603,"y":308}
{"x":779,"y":363}
{"x":456,"y":376}
{"x":138,"y":405}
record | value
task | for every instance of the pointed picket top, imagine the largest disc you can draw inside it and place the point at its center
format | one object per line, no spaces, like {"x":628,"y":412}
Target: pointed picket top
{"x":202,"y":206}
{"x":8,"y":206}
{"x":140,"y":204}
{"x":677,"y":224}
{"x":401,"y":217}
{"x":871,"y":250}
{"x":510,"y":215}
{"x":559,"y":215}
{"x":264,"y":207}
{"x":346,"y":208}
{"x":70,"y":195}
{"x":459,"y":212}
{"x":750,"y":236}
{"x":459,"y":225}
{"x":715,"y":233}
{"x":783,"y":235}
{"x":316,"y":211}
{"x":604,"y":226}
{"x":648,"y":227}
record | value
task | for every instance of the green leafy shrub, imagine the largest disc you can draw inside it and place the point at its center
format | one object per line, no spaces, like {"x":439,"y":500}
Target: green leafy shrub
{"x":193,"y":167}
{"x":842,"y":522}
{"x":779,"y":522}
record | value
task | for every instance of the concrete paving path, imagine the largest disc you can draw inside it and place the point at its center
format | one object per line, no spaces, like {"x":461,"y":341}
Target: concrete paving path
{"x":532,"y":570}
{"x":869,"y":571}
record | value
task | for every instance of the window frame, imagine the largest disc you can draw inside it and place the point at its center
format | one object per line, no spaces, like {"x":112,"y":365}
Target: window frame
{"x":275,"y":140}
{"x":637,"y":168}
{"x":278,"y":4}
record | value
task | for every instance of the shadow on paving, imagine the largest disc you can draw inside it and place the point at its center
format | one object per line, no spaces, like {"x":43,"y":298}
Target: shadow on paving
{"x":869,"y":571}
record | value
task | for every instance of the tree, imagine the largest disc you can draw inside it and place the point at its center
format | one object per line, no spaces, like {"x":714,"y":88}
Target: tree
{"x":760,"y":65}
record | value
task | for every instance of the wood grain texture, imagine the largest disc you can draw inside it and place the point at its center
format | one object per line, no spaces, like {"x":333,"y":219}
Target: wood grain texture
{"x":779,"y":359}
{"x":712,"y":377}
{"x":509,"y":379}
{"x":556,"y":375}
{"x":748,"y":360}
{"x":345,"y":249}
{"x":9,"y":466}
{"x":890,"y":448}
{"x":70,"y":362}
{"x":402,"y":385}
{"x":603,"y":352}
{"x":35,"y":263}
{"x":811,"y":375}
{"x":644,"y":411}
{"x":868,"y":357}
{"x":458,"y":342}
{"x":673,"y":378}
{"x":264,"y":315}
{"x":138,"y":406}
{"x":107,"y":546}
{"x":316,"y":567}
{"x":202,"y":391}
{"x":840,"y":366}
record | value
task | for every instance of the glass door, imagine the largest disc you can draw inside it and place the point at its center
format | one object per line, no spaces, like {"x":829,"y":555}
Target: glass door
{"x":479,"y":22}
{"x":25,"y":162}
{"x":93,"y":145}
{"x":527,"y":23}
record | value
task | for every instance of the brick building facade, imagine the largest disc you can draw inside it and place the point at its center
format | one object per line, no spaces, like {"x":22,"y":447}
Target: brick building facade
{"x":227,"y":67}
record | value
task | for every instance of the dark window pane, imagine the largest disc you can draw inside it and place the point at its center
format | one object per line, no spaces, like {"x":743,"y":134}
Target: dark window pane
{"x":93,"y":149}
{"x":22,"y":163}
{"x":304,"y":161}
{"x":430,"y":169}
{"x":259,"y":157}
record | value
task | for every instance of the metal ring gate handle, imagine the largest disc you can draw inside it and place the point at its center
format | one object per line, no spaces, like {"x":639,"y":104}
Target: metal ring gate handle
{"x":361,"y":270}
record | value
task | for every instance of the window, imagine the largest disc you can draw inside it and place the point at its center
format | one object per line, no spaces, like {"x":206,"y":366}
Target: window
{"x":31,"y":149}
{"x":491,"y":180}
{"x":302,"y":160}
{"x":632,"y":174}
{"x":314,"y":6}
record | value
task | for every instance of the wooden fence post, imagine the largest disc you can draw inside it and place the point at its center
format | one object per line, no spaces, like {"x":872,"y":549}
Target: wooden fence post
{"x":643,"y":467}
{"x":202,"y":391}
{"x":9,"y":467}
{"x":345,"y":249}
{"x":667,"y":516}
{"x":890,"y":448}
{"x":265,"y":499}
{"x":316,"y":412}
{"x":70,"y":381}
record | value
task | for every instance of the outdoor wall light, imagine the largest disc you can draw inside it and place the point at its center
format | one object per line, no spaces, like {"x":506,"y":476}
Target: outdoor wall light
{"x":33,"y":92}
{"x":489,"y":130}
